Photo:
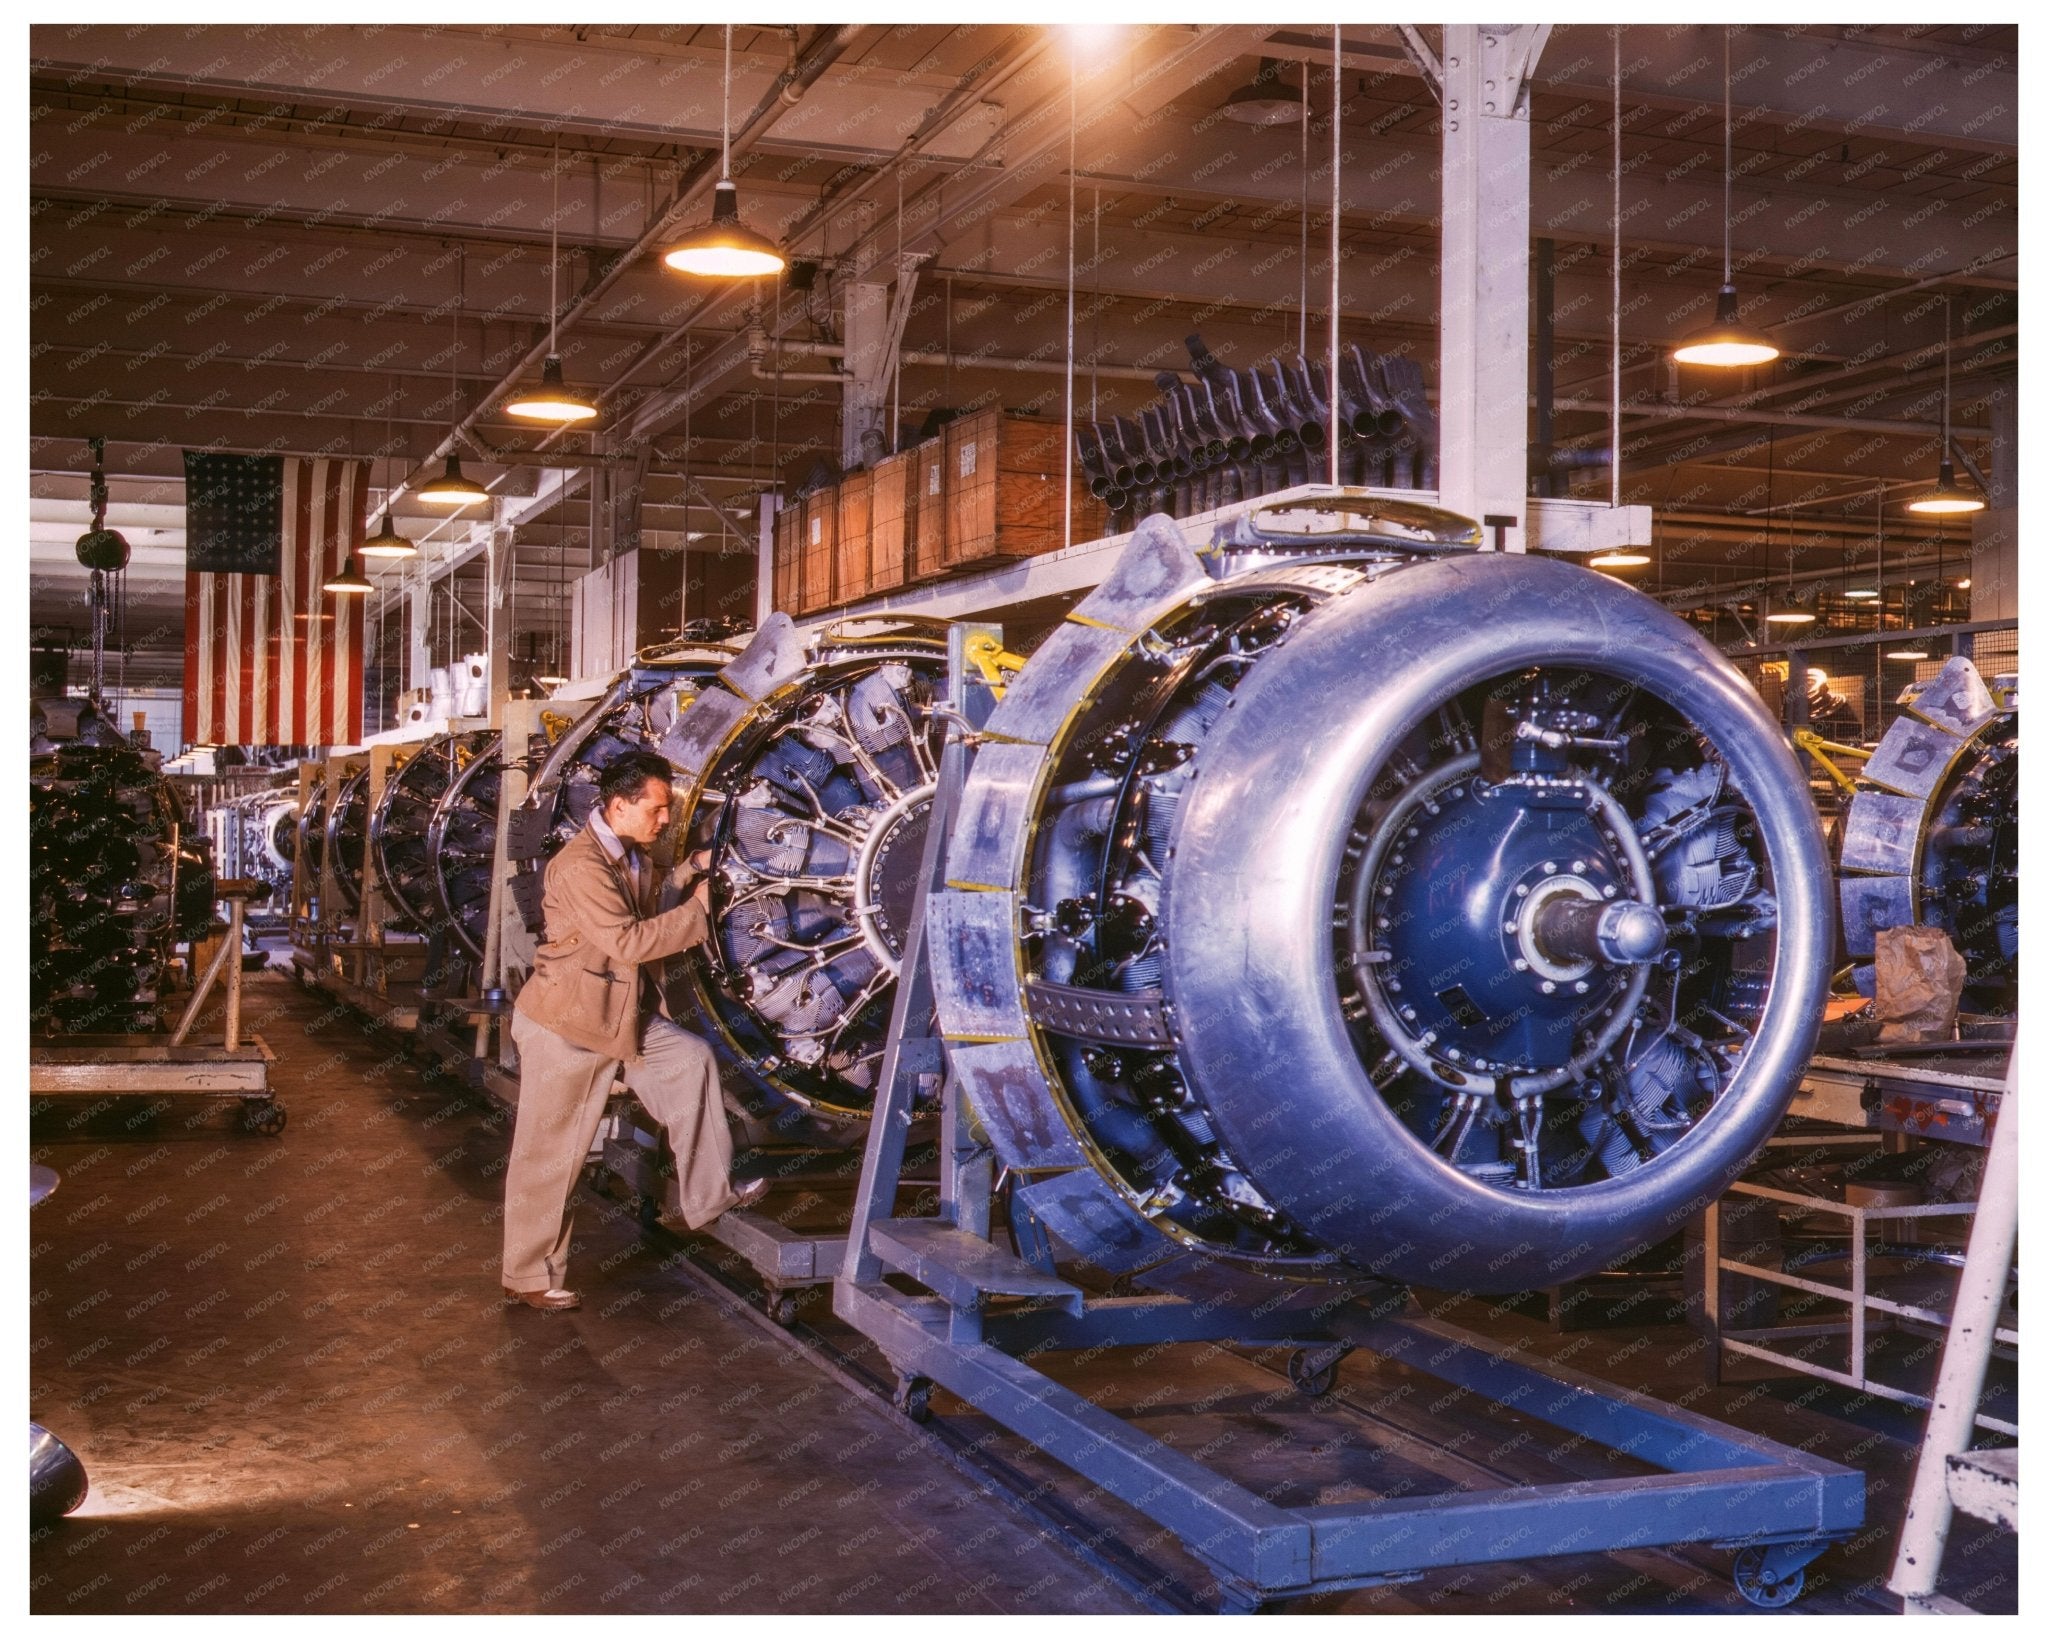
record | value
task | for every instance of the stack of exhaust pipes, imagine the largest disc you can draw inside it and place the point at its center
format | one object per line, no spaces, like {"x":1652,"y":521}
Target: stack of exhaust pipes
{"x":1233,"y":434}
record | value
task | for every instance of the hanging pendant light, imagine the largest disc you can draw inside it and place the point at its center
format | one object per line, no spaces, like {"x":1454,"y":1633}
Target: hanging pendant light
{"x":725,"y":248}
{"x":387,"y":542}
{"x":1265,"y":101}
{"x":1727,"y":342}
{"x":1947,"y":495}
{"x":1618,"y":558}
{"x":553,"y":400}
{"x":452,"y":488}
{"x":350,"y":582}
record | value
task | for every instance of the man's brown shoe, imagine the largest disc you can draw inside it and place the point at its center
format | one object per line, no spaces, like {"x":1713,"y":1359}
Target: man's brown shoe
{"x":553,"y":1298}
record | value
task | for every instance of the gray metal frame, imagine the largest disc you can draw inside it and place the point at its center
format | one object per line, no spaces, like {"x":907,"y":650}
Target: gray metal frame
{"x":1720,"y":1486}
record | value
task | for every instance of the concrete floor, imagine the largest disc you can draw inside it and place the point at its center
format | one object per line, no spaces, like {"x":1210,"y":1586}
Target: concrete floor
{"x":288,"y":1370}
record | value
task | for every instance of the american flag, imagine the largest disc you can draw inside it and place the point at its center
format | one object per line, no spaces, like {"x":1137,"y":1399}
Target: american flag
{"x":271,"y":659}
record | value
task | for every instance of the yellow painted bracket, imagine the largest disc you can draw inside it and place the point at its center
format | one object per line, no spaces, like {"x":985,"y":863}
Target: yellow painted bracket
{"x":1819,"y":750}
{"x":987,"y":655}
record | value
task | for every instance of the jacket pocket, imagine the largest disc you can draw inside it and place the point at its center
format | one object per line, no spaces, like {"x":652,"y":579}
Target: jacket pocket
{"x":617,"y":989}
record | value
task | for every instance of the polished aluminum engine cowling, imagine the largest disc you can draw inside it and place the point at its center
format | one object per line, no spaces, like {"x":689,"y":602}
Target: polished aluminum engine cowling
{"x":806,"y":771}
{"x":1333,"y":910}
{"x":419,"y":779}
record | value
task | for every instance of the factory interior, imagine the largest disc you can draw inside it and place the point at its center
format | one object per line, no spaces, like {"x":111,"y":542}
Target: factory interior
{"x":1109,"y":818}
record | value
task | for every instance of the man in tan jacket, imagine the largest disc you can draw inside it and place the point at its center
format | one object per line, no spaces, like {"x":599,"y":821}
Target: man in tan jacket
{"x":590,"y":1006}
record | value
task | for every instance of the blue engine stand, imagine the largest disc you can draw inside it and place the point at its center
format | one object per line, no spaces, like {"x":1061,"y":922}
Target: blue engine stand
{"x":985,"y":1314}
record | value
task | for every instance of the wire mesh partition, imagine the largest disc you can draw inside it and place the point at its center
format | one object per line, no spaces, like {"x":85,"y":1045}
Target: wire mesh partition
{"x":1855,"y":685}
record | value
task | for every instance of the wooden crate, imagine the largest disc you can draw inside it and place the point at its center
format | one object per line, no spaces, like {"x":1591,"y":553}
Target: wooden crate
{"x":928,"y":478}
{"x":892,"y":544}
{"x":789,"y":560}
{"x":856,"y":491}
{"x":1003,"y":478}
{"x":818,"y":588}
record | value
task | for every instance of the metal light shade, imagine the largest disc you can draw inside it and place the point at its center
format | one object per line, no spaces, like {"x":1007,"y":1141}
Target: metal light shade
{"x":1947,"y":495}
{"x":553,"y":399}
{"x":725,"y":248}
{"x":350,"y":582}
{"x":1264,"y":101}
{"x":388,"y":543}
{"x":1727,"y":342}
{"x":452,"y":488}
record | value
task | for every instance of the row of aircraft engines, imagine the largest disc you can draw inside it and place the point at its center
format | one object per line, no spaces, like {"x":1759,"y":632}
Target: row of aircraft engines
{"x":1320,"y":907}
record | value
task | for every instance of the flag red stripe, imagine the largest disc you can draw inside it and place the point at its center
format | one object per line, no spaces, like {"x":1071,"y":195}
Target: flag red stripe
{"x":303,"y":632}
{"x":243,"y":730}
{"x":193,"y":595}
{"x":330,"y":564}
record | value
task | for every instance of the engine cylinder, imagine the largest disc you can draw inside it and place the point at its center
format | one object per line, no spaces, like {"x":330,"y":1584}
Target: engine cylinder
{"x":1441,"y":917}
{"x":116,"y":878}
{"x":805,"y":772}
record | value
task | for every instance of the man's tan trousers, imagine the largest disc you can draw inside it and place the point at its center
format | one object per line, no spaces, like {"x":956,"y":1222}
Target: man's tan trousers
{"x":562,"y":1091}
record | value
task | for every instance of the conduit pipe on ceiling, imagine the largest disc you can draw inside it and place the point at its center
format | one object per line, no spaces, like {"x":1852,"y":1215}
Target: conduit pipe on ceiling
{"x":955,"y":361}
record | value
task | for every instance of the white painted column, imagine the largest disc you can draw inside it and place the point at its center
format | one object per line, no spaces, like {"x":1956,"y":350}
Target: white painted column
{"x":1995,"y":532}
{"x":866,"y":393}
{"x":1484,"y":368}
{"x":764,"y":583}
{"x":419,"y":589}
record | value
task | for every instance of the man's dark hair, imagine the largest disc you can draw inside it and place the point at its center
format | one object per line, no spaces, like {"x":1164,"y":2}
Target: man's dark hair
{"x":626,"y":777}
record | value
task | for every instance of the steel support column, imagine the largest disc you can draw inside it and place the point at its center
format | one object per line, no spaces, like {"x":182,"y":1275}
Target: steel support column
{"x":1484,"y":363}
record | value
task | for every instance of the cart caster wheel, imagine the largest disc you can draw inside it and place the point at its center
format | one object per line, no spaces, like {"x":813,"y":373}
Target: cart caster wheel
{"x":913,"y":1398}
{"x":267,"y":1119}
{"x":782,"y":1310}
{"x":1763,"y":1587}
{"x":56,"y":1478}
{"x":1313,"y":1372}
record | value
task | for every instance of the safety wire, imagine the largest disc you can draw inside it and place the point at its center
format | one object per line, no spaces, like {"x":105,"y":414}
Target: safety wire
{"x":1614,"y":366}
{"x":896,"y":385}
{"x":689,"y":398}
{"x":1301,"y":344}
{"x":1095,"y":310}
{"x":1073,"y":133}
{"x":1336,"y":224}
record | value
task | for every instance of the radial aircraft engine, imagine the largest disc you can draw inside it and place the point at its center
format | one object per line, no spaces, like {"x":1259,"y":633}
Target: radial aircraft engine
{"x":804,"y":770}
{"x":1341,"y":903}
